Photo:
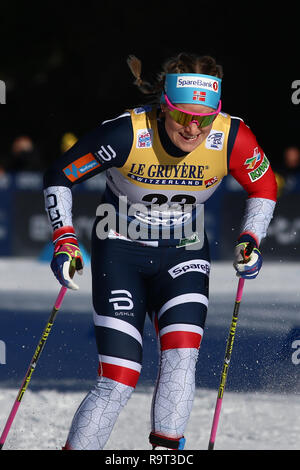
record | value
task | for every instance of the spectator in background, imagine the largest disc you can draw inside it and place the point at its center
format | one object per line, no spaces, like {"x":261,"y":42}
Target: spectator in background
{"x":288,"y":173}
{"x":291,"y":160}
{"x":24,"y":156}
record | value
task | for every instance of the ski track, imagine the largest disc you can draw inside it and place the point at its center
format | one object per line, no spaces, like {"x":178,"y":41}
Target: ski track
{"x":248,"y":421}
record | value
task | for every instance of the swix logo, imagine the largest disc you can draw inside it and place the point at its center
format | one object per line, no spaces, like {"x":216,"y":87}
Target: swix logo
{"x":105,"y":154}
{"x":251,"y":162}
{"x":199,"y":95}
{"x":125,"y":298}
{"x":80,"y":167}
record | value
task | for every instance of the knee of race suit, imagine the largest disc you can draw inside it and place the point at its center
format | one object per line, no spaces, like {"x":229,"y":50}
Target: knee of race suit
{"x":128,"y":372}
{"x":174,"y":337}
{"x":120,"y":370}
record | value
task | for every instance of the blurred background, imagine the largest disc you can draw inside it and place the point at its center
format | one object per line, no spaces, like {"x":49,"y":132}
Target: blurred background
{"x":65,"y":72}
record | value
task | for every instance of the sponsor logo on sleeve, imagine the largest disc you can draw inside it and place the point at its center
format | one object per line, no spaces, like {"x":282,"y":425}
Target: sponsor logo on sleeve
{"x":193,"y":265}
{"x":256,"y":174}
{"x":81,"y":167}
{"x":105,"y":154}
{"x":251,"y":162}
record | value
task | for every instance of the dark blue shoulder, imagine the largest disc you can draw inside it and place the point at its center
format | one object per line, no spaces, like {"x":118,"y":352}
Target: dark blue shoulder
{"x":110,"y":143}
{"x":234,"y":127}
{"x":115,"y":134}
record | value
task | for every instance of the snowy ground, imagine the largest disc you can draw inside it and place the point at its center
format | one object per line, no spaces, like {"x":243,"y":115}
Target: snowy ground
{"x":249,"y":421}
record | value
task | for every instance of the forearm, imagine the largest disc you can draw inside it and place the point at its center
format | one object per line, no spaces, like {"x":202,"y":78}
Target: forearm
{"x":257,"y":217}
{"x":58,"y":205}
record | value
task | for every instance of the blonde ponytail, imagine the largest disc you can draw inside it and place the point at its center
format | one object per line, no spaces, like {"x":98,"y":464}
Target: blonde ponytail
{"x":135,"y":66}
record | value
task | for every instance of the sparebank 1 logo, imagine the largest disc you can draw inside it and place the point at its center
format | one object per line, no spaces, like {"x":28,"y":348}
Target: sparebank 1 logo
{"x":2,"y":92}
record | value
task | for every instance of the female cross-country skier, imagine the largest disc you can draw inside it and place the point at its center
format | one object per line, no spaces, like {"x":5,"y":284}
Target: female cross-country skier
{"x":149,"y":250}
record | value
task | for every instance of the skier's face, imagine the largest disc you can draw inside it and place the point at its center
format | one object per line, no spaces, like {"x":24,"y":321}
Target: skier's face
{"x":187,"y":138}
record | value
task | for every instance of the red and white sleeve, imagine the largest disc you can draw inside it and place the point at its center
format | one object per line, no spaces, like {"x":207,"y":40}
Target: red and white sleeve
{"x":249,"y":165}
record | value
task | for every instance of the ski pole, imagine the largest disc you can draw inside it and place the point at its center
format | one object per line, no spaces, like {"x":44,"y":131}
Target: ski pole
{"x":32,"y":365}
{"x":226,"y":363}
{"x":246,"y":255}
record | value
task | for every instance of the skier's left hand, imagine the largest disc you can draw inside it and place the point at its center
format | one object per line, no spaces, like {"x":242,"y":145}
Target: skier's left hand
{"x":248,"y":260}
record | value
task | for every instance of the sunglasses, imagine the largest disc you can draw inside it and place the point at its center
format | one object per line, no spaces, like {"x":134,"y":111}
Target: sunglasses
{"x":184,"y":118}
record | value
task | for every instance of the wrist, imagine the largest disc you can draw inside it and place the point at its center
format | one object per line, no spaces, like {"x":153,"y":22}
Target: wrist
{"x":64,"y":235}
{"x":248,"y":237}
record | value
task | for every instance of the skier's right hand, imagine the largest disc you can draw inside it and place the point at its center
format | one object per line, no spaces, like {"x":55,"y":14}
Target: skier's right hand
{"x":248,"y":260}
{"x":67,"y":259}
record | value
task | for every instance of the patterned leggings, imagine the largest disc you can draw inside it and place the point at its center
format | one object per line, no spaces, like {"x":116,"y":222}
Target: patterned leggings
{"x":128,"y":281}
{"x":171,"y":404}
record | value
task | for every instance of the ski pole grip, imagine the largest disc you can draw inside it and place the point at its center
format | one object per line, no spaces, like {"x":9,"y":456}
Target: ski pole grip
{"x":247,"y":251}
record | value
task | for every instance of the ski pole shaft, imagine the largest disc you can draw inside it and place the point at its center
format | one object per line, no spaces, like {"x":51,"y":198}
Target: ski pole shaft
{"x":226,"y":363}
{"x":32,"y":365}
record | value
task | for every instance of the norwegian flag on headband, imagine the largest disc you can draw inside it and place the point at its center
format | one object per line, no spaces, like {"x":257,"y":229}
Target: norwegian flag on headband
{"x":199,"y":95}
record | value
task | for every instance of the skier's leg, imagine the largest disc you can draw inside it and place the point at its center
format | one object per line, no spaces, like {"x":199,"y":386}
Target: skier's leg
{"x":173,"y":397}
{"x":95,"y":418}
{"x":180,"y":320}
{"x":119,"y":319}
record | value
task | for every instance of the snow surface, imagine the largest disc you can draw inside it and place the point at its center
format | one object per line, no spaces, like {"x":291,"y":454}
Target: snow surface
{"x":249,"y":421}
